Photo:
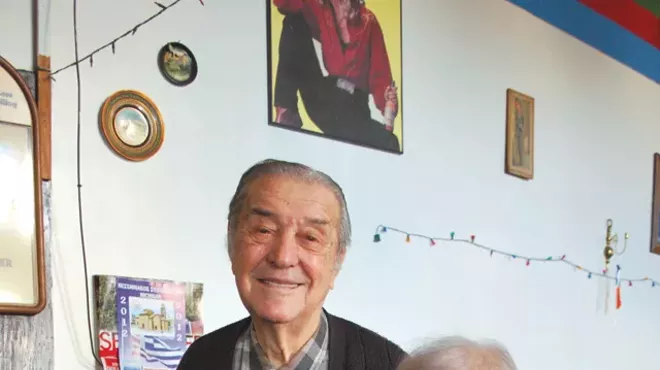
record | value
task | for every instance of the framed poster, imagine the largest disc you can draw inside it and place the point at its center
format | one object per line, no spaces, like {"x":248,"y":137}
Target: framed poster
{"x":143,"y":320}
{"x":519,"y":158}
{"x":337,"y":74}
{"x":22,"y":265}
{"x":655,"y":208}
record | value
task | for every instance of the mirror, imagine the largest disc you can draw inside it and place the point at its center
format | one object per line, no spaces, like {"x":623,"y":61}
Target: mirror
{"x":22,"y":264}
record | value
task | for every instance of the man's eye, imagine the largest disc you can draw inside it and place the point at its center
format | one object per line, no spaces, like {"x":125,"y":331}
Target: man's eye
{"x":263,"y":230}
{"x":311,"y":238}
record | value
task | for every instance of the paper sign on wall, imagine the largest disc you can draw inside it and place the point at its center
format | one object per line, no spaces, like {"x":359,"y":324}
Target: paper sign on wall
{"x":14,"y":106}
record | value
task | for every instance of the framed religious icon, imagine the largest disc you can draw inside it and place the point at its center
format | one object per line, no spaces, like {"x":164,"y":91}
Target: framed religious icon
{"x":177,"y":64}
{"x":335,"y":70}
{"x":132,"y":125}
{"x":519,"y":157}
{"x":22,"y":263}
{"x":655,"y":207}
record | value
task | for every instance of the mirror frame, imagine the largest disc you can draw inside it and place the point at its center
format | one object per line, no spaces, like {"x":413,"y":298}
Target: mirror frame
{"x":40,"y":263}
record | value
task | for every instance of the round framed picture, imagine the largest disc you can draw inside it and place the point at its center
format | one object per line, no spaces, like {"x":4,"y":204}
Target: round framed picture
{"x":177,"y":64}
{"x":132,"y":125}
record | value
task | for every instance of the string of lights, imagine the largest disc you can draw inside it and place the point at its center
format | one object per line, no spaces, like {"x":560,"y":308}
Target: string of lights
{"x":382,"y":229}
{"x":111,"y":44}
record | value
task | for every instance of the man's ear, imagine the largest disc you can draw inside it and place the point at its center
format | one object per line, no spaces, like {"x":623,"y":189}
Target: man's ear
{"x":339,"y":261}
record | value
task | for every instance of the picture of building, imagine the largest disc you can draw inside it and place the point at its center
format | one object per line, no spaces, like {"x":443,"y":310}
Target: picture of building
{"x":150,"y":321}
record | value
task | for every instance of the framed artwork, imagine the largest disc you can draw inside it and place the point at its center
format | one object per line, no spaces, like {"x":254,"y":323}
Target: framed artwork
{"x":519,"y":158}
{"x":655,"y":209}
{"x":22,"y":263}
{"x":177,"y":64}
{"x":132,"y":125}
{"x":337,"y":74}
{"x":168,"y":320}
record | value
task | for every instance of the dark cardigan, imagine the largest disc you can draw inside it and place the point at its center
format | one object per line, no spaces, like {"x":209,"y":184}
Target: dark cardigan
{"x":351,"y":347}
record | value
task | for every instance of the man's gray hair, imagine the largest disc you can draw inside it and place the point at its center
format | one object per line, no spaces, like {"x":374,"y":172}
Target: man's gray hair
{"x":296,"y":171}
{"x":458,"y":353}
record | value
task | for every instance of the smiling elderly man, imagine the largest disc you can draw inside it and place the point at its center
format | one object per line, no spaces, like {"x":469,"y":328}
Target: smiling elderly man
{"x":287,"y":237}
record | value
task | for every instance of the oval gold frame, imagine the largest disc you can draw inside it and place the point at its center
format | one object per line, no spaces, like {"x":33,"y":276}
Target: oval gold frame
{"x":134,"y":99}
{"x":40,"y":261}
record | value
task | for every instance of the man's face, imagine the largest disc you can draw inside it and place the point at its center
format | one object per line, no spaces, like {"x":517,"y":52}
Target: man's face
{"x":285,"y":248}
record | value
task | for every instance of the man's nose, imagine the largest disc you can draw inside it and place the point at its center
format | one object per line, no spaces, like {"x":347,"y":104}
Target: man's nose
{"x":284,"y":251}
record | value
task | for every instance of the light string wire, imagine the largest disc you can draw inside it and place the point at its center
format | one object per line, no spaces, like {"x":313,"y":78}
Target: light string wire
{"x":383,"y":229}
{"x":79,"y":185}
{"x":76,"y":64}
{"x":111,"y":44}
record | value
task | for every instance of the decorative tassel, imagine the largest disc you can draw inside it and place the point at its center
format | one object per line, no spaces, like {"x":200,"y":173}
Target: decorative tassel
{"x":618,"y":297}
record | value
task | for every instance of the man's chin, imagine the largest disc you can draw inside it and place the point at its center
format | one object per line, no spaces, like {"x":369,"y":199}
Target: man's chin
{"x":277,"y":315}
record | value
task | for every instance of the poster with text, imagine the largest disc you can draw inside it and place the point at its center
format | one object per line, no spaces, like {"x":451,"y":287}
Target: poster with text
{"x":105,"y":299}
{"x":151,"y":324}
{"x":335,"y":70}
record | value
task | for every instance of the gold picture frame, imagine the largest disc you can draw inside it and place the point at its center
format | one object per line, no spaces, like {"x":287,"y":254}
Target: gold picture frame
{"x":22,"y":259}
{"x":132,"y":125}
{"x":655,"y":207}
{"x":519,"y":158}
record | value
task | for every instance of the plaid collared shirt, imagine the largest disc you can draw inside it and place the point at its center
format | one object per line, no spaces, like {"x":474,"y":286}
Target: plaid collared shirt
{"x":248,"y":354}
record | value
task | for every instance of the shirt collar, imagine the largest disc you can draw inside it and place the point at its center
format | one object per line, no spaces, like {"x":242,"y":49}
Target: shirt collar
{"x":313,"y":355}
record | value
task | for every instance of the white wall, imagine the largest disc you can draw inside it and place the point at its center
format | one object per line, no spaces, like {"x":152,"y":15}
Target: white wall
{"x":16,"y":33}
{"x":597,"y":128}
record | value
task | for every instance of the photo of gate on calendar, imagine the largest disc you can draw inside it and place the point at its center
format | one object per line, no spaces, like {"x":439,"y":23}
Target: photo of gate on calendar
{"x":334,"y":69}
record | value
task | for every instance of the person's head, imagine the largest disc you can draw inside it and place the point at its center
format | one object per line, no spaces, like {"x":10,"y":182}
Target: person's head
{"x":457,"y":353}
{"x":287,"y":236}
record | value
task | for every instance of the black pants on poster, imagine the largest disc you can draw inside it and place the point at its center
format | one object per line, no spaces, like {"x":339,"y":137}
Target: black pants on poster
{"x":337,"y":112}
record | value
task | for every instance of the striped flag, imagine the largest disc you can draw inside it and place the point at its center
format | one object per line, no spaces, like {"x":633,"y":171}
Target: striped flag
{"x":155,"y":350}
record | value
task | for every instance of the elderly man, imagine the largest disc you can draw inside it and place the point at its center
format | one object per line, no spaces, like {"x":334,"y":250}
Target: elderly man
{"x":457,"y":353}
{"x":288,"y":232}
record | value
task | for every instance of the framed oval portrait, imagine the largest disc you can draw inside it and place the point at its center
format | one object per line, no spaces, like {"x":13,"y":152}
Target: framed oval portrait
{"x":132,"y":125}
{"x":177,"y":64}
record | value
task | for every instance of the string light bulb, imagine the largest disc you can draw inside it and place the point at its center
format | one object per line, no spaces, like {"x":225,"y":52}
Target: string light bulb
{"x":381,"y":231}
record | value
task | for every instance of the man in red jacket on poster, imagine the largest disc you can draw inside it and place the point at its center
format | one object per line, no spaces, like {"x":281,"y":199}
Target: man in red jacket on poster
{"x":356,"y":60}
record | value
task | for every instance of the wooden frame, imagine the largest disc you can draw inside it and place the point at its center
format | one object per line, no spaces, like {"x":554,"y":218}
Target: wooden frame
{"x":655,"y":207}
{"x":519,"y":158}
{"x":38,"y":269}
{"x":141,"y":115}
{"x":44,"y":103}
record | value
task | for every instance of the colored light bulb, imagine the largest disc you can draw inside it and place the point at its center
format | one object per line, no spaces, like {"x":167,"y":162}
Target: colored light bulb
{"x":376,"y":238}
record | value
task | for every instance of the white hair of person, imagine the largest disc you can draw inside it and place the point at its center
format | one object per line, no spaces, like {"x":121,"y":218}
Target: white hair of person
{"x":458,"y":353}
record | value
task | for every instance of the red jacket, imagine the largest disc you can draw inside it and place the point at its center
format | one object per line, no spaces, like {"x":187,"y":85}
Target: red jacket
{"x":363,"y":61}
